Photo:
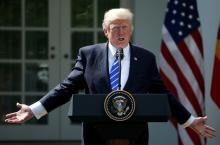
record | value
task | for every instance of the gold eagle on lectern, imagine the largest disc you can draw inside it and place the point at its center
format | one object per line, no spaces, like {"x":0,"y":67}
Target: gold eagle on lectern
{"x":120,"y":105}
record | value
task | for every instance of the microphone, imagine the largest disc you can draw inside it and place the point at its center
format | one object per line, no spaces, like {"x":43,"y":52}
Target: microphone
{"x":119,"y":56}
{"x":119,"y":53}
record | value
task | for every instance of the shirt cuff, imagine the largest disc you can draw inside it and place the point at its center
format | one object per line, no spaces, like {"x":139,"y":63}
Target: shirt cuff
{"x":38,"y":110}
{"x":189,"y":121}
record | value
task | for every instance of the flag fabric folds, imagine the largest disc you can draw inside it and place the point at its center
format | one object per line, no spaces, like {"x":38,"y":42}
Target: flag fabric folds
{"x":181,"y":62}
{"x":215,"y":86}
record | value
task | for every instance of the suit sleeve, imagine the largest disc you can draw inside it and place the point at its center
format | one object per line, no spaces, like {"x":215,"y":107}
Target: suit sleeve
{"x":64,"y":90}
{"x":178,"y":111}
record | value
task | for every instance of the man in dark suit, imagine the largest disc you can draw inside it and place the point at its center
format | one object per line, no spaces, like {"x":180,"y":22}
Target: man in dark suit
{"x":91,"y":72}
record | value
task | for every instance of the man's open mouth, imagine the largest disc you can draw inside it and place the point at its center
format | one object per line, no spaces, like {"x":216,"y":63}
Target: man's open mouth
{"x":120,"y":39}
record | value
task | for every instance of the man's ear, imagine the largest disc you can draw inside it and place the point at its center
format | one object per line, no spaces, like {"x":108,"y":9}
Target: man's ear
{"x":105,"y":32}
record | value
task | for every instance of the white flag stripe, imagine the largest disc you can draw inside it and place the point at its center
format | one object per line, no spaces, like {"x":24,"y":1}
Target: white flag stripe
{"x":171,"y":75}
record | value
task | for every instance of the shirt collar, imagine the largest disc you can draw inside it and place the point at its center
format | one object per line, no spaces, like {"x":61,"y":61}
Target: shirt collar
{"x":113,"y":50}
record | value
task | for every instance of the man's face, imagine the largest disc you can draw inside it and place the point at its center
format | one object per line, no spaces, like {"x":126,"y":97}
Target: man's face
{"x":119,"y":33}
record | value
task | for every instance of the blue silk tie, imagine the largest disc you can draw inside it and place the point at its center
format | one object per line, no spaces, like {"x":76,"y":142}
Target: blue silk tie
{"x":114,"y":75}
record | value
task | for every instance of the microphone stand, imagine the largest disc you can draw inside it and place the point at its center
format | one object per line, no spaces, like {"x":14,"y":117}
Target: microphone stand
{"x":120,"y":56}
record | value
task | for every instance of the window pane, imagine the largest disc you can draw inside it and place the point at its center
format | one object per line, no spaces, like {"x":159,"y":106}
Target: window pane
{"x":80,"y":39}
{"x":36,"y":77}
{"x":104,"y":6}
{"x":82,"y":13}
{"x":36,"y":13}
{"x":10,"y":47}
{"x":10,"y":77}
{"x":101,"y":37}
{"x":36,"y":45}
{"x":10,"y":12}
{"x":8,"y":105}
{"x":30,"y":100}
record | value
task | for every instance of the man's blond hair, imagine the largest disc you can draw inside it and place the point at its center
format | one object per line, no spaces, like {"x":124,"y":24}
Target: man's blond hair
{"x":117,"y":14}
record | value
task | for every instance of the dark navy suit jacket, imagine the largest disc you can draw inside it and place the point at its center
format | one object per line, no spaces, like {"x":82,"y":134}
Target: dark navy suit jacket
{"x":91,"y":72}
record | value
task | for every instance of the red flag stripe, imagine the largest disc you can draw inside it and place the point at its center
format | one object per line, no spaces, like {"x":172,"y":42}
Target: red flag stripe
{"x":186,"y":137}
{"x":173,"y":121}
{"x":176,"y":127}
{"x":198,"y":39}
{"x":169,"y":85}
{"x":195,"y":137}
{"x":167,"y":75}
{"x":182,"y":63}
{"x":183,"y":83}
{"x":193,"y":66}
{"x":192,"y":45}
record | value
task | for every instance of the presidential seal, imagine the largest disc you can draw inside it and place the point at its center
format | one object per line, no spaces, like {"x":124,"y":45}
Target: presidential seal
{"x":119,"y":105}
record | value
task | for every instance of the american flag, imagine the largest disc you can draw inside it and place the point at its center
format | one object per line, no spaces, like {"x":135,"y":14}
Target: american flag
{"x":181,"y":61}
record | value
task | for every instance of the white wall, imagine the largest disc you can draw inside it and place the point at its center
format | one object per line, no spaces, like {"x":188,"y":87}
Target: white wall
{"x":149,"y":16}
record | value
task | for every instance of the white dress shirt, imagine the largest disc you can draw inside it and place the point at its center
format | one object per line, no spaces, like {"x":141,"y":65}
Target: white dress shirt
{"x":39,"y":110}
{"x":125,"y":62}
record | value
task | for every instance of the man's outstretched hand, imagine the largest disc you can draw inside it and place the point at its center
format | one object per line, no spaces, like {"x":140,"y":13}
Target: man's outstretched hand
{"x":23,"y":114}
{"x":199,"y":126}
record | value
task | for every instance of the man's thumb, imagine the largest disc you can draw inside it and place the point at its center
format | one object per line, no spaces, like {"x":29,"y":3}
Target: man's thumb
{"x":18,"y":105}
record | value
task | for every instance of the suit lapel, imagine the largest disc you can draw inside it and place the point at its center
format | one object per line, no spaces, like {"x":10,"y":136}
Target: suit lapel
{"x":103,"y":63}
{"x":133,"y":61}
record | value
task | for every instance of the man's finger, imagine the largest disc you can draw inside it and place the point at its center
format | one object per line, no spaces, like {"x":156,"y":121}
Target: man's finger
{"x":210,"y":128}
{"x":11,"y":119}
{"x":10,"y":115}
{"x":19,"y":105}
{"x":210,"y":131}
{"x":14,"y":121}
{"x":209,"y":134}
{"x":204,"y":119}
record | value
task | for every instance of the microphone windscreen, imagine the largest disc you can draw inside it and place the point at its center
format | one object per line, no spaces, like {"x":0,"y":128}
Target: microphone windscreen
{"x":119,"y":53}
